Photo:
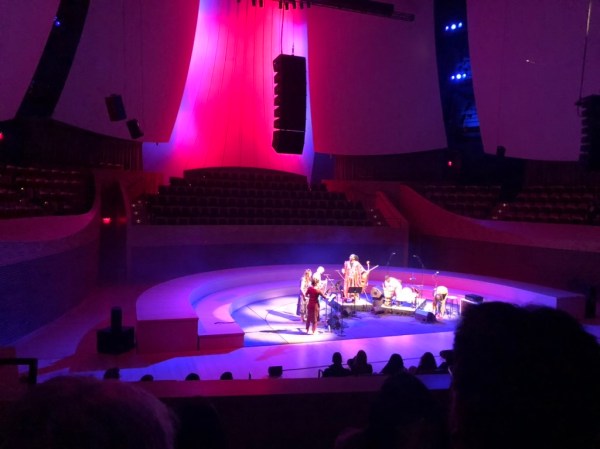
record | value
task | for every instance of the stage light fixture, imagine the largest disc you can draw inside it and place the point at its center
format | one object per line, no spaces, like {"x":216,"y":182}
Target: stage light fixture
{"x":454,"y":26}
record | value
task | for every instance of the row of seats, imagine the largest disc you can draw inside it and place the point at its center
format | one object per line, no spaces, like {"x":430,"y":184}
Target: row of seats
{"x":203,"y":197}
{"x":191,"y":190}
{"x":549,"y":204}
{"x":250,"y":212}
{"x":40,"y":191}
{"x":233,"y":201}
{"x":278,"y":221}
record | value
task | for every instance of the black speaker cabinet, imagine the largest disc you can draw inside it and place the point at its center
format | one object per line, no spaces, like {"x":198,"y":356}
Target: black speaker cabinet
{"x":115,"y":108}
{"x":275,"y":371}
{"x":474,"y":298}
{"x":116,"y":319}
{"x":109,"y":341}
{"x":134,"y":129}
{"x":290,"y":92}
{"x":424,"y":317}
{"x":288,"y":142}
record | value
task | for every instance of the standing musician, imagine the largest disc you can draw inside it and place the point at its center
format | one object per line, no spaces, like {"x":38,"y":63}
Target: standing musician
{"x":353,"y":272}
{"x":312,"y":308}
{"x":302,"y":298}
{"x":318,"y":276}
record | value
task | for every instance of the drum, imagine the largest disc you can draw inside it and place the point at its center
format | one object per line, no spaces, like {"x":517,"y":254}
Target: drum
{"x":408,"y":294}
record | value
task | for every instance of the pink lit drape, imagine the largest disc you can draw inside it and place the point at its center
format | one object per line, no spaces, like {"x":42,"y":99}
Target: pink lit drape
{"x":226,"y":115}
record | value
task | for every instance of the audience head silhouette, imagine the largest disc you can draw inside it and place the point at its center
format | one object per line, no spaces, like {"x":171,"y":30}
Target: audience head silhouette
{"x":112,"y":373}
{"x":404,"y":415}
{"x":192,"y":376}
{"x":227,"y":375}
{"x":524,"y":378}
{"x":336,"y":369}
{"x":359,"y":365}
{"x":70,"y":412}
{"x":427,"y":364}
{"x":394,"y":365}
{"x":336,"y":358}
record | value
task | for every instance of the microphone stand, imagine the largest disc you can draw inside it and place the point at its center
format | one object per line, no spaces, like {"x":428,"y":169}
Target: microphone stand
{"x":422,"y":274}
{"x":389,"y":259}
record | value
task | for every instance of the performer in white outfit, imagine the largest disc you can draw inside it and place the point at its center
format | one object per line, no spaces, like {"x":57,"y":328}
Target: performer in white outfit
{"x":392,"y":288}
{"x":318,"y":274}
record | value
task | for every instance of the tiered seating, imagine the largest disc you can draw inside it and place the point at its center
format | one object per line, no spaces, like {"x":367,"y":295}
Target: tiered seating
{"x":249,"y":196}
{"x":39,"y":191}
{"x":472,"y":201}
{"x":552,"y":204}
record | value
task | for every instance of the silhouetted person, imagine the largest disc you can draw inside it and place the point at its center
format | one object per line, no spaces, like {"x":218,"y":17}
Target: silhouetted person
{"x":359,"y":365}
{"x":112,"y":373}
{"x":447,"y":356}
{"x":394,"y":365}
{"x":192,"y":376}
{"x":403,"y":416}
{"x":524,"y":378}
{"x":77,"y":412}
{"x":200,"y":426}
{"x":427,"y":365}
{"x":336,"y":369}
{"x":147,"y":378}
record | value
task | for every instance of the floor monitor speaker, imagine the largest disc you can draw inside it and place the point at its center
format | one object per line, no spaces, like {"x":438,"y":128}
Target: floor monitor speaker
{"x":424,"y":316}
{"x":275,"y":371}
{"x":111,"y":342}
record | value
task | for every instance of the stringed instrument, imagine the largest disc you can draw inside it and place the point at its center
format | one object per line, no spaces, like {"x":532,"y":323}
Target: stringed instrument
{"x":364,"y":281}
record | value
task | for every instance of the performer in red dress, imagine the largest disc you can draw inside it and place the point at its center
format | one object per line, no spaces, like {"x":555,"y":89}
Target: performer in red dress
{"x":312,"y":309}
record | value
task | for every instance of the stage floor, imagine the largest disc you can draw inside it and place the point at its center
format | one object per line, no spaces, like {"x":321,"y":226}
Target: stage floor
{"x":275,"y":336}
{"x":274,"y":322}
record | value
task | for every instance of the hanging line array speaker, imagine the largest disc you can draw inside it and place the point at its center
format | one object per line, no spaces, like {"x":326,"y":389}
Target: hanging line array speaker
{"x":290,"y":104}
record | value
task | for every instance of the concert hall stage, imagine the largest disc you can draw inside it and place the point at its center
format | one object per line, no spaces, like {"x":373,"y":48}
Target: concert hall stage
{"x":244,"y":320}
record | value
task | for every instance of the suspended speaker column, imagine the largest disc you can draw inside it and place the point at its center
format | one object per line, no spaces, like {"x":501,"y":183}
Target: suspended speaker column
{"x":590,"y":132}
{"x":290,"y":104}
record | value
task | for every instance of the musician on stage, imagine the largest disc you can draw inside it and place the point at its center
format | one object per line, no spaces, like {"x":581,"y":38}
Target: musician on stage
{"x":439,"y":301}
{"x":312,"y":308}
{"x":353,"y":273}
{"x":302,"y":298}
{"x":392,"y":288}
{"x":318,"y":275}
